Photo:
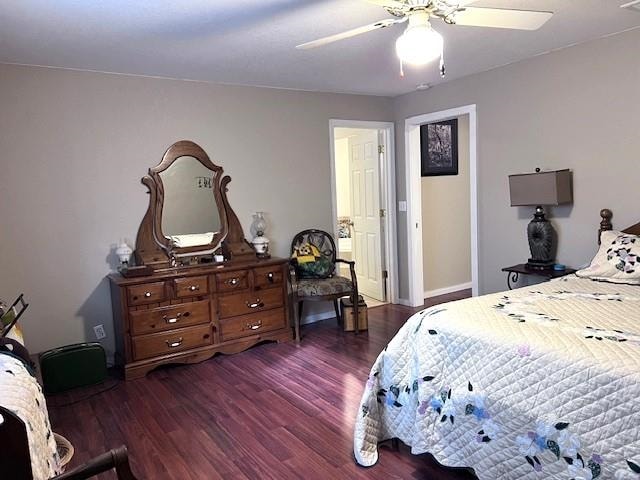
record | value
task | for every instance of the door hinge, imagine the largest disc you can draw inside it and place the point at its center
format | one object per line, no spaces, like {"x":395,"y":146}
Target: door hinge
{"x":380,"y":148}
{"x":385,"y":274}
{"x":383,"y":213}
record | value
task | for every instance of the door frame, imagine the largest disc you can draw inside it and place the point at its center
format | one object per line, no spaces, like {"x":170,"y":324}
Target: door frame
{"x":387,"y":188}
{"x":414,"y":196}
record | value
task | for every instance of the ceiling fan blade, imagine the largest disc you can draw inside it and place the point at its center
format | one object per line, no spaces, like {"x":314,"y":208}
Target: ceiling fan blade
{"x":350,"y":33}
{"x":388,"y":3}
{"x":501,"y":18}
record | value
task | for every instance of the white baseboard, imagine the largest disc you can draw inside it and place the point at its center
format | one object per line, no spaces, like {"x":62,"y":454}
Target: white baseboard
{"x":443,"y":291}
{"x":405,"y":302}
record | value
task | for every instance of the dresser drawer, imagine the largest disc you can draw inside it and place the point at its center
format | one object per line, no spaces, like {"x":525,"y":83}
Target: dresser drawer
{"x":253,"y":324}
{"x":169,"y":318}
{"x":232,"y":281}
{"x":249,"y":302}
{"x":146,"y":293}
{"x":191,"y":286}
{"x":265,"y":277}
{"x":156,"y":344}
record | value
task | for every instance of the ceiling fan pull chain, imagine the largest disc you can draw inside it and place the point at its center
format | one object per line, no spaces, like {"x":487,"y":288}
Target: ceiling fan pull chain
{"x":442,"y":68}
{"x":401,"y":69}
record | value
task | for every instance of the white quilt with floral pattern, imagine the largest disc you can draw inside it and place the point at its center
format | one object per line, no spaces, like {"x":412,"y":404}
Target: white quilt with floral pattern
{"x":539,"y":382}
{"x":21,"y":394}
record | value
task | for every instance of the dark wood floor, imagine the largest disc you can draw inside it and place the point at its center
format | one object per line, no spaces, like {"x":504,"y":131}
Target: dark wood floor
{"x":273,"y":412}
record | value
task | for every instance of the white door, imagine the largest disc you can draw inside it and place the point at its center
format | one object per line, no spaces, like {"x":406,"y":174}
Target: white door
{"x":365,"y":212}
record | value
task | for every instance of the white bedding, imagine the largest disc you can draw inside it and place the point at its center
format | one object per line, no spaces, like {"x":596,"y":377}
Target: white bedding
{"x":22,"y":395}
{"x":540,"y":382}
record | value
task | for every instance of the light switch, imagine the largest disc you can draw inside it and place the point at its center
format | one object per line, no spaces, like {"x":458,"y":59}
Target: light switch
{"x":402,"y":205}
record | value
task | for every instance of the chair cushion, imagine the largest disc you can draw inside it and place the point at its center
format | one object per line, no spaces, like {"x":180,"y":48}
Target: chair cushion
{"x":307,"y":287}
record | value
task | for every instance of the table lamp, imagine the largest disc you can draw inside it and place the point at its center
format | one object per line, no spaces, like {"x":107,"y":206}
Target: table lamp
{"x":535,"y":190}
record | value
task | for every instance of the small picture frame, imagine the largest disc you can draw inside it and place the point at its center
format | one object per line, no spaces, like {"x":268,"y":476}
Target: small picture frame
{"x":439,"y":148}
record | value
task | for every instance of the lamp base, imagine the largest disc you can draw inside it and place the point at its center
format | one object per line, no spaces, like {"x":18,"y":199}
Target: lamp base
{"x":540,"y":265}
{"x":540,"y":236}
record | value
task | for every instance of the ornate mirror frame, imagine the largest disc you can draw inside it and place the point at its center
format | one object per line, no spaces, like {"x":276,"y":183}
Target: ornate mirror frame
{"x":153,"y":248}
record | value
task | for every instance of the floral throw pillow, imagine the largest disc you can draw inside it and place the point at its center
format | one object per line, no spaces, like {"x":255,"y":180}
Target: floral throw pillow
{"x":311,"y":263}
{"x":16,"y":332}
{"x":617,"y":261}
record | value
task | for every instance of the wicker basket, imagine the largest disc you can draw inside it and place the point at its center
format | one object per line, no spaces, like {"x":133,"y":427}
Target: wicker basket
{"x":65,"y":449}
{"x":348,"y":316}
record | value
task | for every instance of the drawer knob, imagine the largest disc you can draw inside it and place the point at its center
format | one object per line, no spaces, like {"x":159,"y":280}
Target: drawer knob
{"x":172,"y":320}
{"x":232,"y":281}
{"x":270,"y":277}
{"x":147,"y":294}
{"x":256,"y":304}
{"x":254,"y":326}
{"x":194,"y":288}
{"x":175,"y":344}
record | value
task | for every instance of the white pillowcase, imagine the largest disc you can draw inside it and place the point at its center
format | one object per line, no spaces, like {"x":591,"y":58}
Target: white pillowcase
{"x":617,"y":261}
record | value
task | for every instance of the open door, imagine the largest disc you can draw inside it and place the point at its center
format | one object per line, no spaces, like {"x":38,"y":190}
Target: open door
{"x":364,"y":173}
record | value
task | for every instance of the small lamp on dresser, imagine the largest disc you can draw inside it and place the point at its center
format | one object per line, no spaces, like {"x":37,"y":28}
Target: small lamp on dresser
{"x":124,"y":252}
{"x":535,"y":190}
{"x":260,"y":242}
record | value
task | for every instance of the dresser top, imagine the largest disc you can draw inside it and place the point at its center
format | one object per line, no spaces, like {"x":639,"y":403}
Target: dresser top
{"x":206,"y":269}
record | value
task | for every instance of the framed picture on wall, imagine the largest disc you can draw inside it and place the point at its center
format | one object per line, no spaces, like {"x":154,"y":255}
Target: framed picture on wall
{"x":439,"y":148}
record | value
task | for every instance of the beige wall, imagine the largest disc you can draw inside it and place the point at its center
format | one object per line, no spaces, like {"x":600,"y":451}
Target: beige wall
{"x":576,"y":108}
{"x":74,"y":146}
{"x":446,"y":232}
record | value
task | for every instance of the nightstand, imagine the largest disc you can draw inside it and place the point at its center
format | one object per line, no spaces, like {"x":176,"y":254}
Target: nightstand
{"x":514,"y":272}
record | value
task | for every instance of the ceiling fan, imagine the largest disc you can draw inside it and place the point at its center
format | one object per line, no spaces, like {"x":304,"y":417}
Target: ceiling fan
{"x":420,"y":43}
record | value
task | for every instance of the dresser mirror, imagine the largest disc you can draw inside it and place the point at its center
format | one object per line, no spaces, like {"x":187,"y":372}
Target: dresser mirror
{"x":189,"y":216}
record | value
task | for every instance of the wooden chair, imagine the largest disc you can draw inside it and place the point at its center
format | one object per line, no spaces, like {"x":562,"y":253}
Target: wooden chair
{"x":321,"y":289}
{"x":116,"y":458}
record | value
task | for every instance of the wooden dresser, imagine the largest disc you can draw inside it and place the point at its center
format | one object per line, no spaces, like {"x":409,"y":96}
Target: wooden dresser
{"x":188,"y":314}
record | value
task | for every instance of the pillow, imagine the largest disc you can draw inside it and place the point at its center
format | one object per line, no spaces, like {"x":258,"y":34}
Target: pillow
{"x":310,"y":263}
{"x":617,"y":261}
{"x":16,"y":332}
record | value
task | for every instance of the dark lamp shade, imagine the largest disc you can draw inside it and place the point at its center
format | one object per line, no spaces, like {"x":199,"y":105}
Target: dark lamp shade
{"x":544,"y":188}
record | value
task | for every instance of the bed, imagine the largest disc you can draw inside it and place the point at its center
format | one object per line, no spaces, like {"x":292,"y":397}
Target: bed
{"x":539,"y":382}
{"x":25,"y":430}
{"x":28,"y":449}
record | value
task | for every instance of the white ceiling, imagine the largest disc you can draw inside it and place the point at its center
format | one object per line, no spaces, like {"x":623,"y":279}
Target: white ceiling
{"x":251,"y":42}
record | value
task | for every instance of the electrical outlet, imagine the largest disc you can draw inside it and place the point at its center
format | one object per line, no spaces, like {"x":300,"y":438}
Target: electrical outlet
{"x":99,"y":331}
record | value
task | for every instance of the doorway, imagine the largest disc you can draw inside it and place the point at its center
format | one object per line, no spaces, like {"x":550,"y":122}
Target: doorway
{"x":415,"y":236}
{"x":361,"y":153}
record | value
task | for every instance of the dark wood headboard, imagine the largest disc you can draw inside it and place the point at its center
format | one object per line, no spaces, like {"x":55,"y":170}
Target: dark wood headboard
{"x":14,"y":454}
{"x":606,"y":225}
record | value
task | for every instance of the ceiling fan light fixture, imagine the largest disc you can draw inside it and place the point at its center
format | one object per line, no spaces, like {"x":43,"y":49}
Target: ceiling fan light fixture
{"x":419,"y":44}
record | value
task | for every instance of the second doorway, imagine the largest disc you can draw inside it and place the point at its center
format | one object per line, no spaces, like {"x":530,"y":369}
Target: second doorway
{"x":361,"y":208}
